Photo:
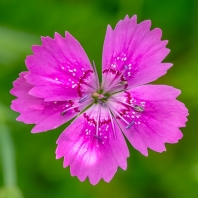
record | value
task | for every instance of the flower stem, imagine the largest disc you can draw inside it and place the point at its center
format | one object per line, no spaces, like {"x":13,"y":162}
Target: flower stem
{"x":7,"y":156}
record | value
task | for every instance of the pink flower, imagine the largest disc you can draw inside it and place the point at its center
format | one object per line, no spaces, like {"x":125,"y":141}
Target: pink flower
{"x":61,"y":84}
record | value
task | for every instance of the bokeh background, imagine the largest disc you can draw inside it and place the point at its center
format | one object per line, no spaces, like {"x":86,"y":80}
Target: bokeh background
{"x":28,"y":166}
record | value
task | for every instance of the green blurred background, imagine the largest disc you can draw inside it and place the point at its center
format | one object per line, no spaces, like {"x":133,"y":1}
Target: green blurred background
{"x":172,"y":174}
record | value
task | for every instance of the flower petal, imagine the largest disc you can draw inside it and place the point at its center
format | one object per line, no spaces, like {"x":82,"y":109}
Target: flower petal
{"x":33,"y":110}
{"x":89,"y":155}
{"x":60,"y":69}
{"x":137,"y":50}
{"x":155,"y":113}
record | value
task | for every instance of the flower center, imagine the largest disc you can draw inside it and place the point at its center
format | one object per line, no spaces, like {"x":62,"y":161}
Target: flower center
{"x":100,"y":98}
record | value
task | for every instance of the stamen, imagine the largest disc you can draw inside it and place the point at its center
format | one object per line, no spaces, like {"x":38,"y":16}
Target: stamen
{"x":119,"y":84}
{"x":84,"y":77}
{"x":83,"y":99}
{"x":118,"y":114}
{"x":135,"y":107}
{"x":123,"y":83}
{"x":73,"y":107}
{"x":129,"y":126}
{"x":98,"y":120}
{"x":97,"y":137}
{"x":97,"y":78}
{"x":117,"y":100}
{"x":101,"y":103}
{"x":115,"y":83}
{"x":125,"y":68}
{"x":111,"y":118}
{"x":138,"y":108}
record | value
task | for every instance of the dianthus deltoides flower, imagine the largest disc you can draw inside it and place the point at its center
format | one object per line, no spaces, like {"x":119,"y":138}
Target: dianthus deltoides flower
{"x":61,"y":84}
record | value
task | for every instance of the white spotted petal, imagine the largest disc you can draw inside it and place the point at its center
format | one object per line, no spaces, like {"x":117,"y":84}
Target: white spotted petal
{"x":89,"y":154}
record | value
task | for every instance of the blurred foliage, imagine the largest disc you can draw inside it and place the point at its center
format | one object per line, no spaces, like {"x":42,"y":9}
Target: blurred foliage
{"x":172,"y":174}
{"x":11,"y":192}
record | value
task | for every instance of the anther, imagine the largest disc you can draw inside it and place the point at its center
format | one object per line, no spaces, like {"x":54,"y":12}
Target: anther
{"x":122,"y":83}
{"x":138,"y":108}
{"x":101,"y":103}
{"x":126,"y":67}
{"x":130,"y":125}
{"x":83,"y":99}
{"x":97,"y":137}
{"x":64,"y":112}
